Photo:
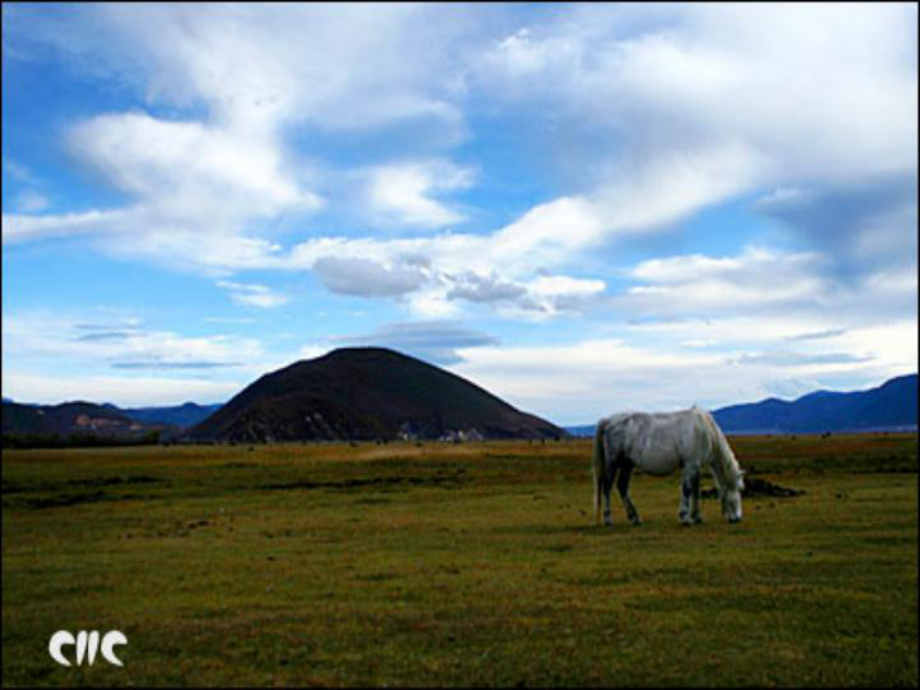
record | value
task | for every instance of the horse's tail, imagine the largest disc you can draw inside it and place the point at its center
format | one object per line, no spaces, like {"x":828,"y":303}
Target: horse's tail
{"x":599,"y":472}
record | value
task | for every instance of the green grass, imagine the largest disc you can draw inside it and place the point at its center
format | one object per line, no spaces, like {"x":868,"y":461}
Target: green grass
{"x":474,"y":564}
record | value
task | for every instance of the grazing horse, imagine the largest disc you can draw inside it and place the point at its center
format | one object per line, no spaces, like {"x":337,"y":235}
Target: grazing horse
{"x":659,"y":444}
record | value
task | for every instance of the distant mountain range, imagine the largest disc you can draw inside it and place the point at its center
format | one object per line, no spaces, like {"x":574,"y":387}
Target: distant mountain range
{"x":891,"y":406}
{"x":582,"y":430}
{"x":106,"y":419}
{"x":367,"y":393}
{"x":74,"y":418}
{"x":183,"y":416}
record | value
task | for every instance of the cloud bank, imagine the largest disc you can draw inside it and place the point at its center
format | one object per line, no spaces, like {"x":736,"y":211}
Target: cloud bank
{"x":351,"y":145}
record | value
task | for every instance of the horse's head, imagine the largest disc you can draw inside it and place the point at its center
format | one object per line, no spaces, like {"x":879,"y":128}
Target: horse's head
{"x":731,"y":500}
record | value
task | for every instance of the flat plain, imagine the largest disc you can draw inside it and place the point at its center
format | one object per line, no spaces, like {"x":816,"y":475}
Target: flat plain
{"x":469,"y":564}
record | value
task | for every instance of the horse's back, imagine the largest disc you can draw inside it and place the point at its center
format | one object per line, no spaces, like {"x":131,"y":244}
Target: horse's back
{"x":658,"y":442}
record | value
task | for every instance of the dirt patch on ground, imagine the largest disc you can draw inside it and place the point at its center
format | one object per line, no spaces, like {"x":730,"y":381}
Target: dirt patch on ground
{"x":58,"y":494}
{"x":446,"y":481}
{"x":754,"y":487}
{"x":72,"y":499}
{"x":92,"y":483}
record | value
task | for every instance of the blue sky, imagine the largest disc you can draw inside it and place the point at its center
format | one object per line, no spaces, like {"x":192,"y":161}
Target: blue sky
{"x":582,"y":208}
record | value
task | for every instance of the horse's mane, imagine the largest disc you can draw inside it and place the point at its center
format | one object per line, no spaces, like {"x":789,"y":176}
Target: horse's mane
{"x":729,"y":463}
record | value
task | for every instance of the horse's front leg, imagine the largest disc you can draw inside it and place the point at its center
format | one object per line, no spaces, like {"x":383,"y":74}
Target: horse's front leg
{"x":695,"y":499}
{"x":689,"y":511}
{"x":623,"y":487}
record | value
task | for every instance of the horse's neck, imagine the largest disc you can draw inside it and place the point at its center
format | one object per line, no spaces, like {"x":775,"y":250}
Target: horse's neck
{"x":724,"y":466}
{"x":718,"y":470}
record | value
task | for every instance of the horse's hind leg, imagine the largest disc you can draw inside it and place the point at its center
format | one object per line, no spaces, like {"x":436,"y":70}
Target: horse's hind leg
{"x":623,"y":487}
{"x":606,"y":486}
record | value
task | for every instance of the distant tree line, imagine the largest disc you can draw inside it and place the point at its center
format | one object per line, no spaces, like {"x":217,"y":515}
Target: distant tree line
{"x":78,"y":440}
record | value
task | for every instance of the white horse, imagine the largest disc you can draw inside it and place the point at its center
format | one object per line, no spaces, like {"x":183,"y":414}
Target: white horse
{"x":659,"y":444}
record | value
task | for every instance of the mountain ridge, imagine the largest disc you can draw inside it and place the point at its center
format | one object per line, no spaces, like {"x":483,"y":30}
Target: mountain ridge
{"x":889,"y":406}
{"x":893,"y":404}
{"x":75,"y":418}
{"x":184,"y":416}
{"x":849,"y":411}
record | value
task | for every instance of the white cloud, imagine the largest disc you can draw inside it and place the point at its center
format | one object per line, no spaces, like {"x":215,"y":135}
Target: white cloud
{"x":558,"y":289}
{"x":401,"y":193}
{"x":549,"y":295}
{"x":819,"y":338}
{"x":182,"y":167}
{"x":684,"y":115}
{"x":483,"y":288}
{"x":863,"y":226}
{"x":123,"y":391}
{"x":645,"y":116}
{"x":436,"y":341}
{"x":894,"y":344}
{"x":697,"y":117}
{"x":319,"y":64}
{"x":519,"y":57}
{"x":436,"y":272}
{"x":688,"y":106}
{"x":40,"y":336}
{"x":205,"y":192}
{"x":432,"y":303}
{"x":196,"y":189}
{"x":681,"y":269}
{"x":580,"y":381}
{"x":701,"y":73}
{"x":550,"y":235}
{"x":312,"y":351}
{"x":758,"y":278}
{"x":18,"y":228}
{"x":31,"y":202}
{"x":544,"y":236}
{"x":367,"y":278}
{"x":210,"y":179}
{"x":254,"y":295}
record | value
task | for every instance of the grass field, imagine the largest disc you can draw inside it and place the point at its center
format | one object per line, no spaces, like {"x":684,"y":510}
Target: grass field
{"x":471,"y":564}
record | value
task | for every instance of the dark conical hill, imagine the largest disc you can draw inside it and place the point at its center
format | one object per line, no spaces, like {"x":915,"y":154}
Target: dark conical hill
{"x":366,"y":393}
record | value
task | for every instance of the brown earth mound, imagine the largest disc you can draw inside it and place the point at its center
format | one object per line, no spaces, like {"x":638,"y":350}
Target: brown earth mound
{"x":757,"y":487}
